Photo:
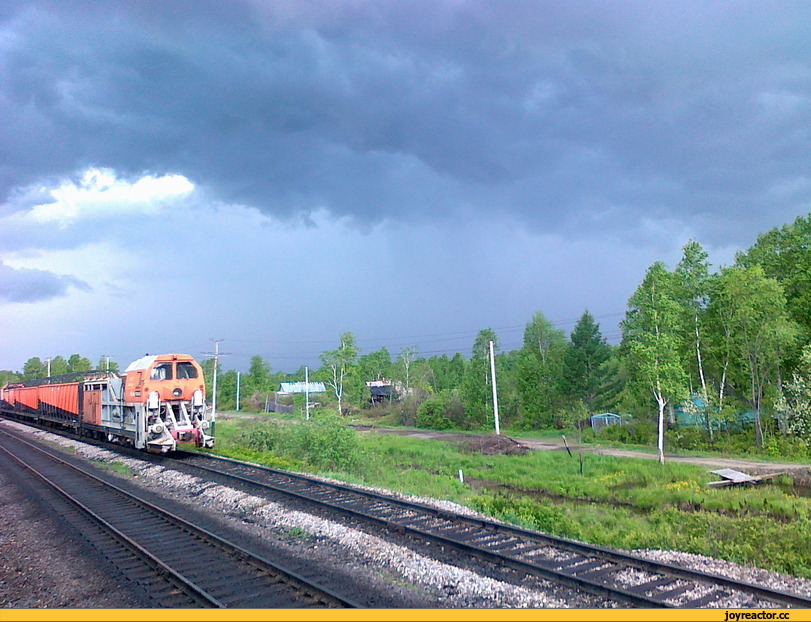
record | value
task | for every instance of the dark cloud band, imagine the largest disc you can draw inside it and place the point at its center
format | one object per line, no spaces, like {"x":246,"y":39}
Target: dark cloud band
{"x":26,"y":285}
{"x":413,"y":110}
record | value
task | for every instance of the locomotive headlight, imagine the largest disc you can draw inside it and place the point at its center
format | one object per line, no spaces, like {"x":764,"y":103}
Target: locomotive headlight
{"x":177,"y":392}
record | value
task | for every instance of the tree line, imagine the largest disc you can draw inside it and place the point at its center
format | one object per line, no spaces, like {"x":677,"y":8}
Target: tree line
{"x":716,"y":344}
{"x":712,"y":343}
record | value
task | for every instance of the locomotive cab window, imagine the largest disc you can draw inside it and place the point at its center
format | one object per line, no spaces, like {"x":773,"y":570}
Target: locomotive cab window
{"x":186,"y":370}
{"x":162,"y":371}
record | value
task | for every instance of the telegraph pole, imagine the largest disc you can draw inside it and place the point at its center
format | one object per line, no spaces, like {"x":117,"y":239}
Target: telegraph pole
{"x":495,"y":394}
{"x":217,"y":354}
{"x":48,"y":360}
{"x":237,"y":390}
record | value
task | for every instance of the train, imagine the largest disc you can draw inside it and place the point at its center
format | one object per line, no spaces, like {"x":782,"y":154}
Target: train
{"x":156,"y":403}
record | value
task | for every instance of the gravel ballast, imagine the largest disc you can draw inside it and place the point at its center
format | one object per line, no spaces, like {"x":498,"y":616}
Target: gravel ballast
{"x":35,"y":555}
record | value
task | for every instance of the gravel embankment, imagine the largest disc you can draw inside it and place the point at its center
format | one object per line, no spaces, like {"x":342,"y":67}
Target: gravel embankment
{"x":424,"y":582}
{"x":45,"y":564}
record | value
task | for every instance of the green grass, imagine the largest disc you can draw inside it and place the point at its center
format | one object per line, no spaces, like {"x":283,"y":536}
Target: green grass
{"x":619,"y":502}
{"x":117,"y":467}
{"x":299,"y":533}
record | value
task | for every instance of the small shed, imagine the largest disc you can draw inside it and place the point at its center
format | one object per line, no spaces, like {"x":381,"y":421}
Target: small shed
{"x":383,"y":390}
{"x":603,"y":419}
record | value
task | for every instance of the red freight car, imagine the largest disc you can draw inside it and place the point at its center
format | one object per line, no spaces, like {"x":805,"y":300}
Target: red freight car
{"x":157,"y":402}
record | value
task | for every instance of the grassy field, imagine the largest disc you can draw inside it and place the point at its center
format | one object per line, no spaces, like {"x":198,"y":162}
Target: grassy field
{"x":619,"y":502}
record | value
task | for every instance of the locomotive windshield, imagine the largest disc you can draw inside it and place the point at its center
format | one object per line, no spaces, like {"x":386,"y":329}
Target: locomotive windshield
{"x":162,"y":371}
{"x":186,"y":370}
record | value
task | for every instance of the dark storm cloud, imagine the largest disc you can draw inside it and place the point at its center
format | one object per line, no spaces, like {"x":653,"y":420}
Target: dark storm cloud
{"x":402,"y":110}
{"x":26,"y":285}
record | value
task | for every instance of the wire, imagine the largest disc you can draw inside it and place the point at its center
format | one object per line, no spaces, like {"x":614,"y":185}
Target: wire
{"x":373,"y":344}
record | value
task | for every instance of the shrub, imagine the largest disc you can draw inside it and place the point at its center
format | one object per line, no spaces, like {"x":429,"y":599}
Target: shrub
{"x":261,"y":437}
{"x":638,"y":433}
{"x":778,"y":446}
{"x":408,"y":410}
{"x":688,"y":438}
{"x":431,"y":413}
{"x":324,"y":442}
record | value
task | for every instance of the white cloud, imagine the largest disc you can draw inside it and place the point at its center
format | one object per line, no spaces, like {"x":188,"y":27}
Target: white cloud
{"x":101,"y":194}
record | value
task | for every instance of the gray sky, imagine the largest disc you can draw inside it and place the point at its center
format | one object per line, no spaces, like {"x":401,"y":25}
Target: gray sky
{"x":275,"y":173}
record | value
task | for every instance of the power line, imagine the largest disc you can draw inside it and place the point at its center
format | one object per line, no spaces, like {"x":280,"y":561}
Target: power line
{"x":424,"y":339}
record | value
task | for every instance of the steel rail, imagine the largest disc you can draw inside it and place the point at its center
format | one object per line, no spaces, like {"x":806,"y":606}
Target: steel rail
{"x":611,"y":556}
{"x":195,"y":591}
{"x":229,"y":547}
{"x":777,"y":596}
{"x":582,"y":583}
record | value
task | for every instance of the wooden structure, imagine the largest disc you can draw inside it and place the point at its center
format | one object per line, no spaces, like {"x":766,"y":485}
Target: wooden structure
{"x":731,"y":477}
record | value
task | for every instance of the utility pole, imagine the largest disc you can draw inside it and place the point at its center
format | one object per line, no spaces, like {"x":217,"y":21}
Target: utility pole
{"x":48,"y":360}
{"x":217,"y":354}
{"x":495,"y":394}
{"x":306,"y":393}
{"x":237,"y":390}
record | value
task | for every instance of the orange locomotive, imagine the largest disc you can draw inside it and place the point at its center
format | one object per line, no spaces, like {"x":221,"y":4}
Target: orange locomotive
{"x":157,"y":402}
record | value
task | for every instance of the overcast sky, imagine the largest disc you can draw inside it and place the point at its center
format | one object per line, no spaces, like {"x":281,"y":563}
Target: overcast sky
{"x":276,"y":173}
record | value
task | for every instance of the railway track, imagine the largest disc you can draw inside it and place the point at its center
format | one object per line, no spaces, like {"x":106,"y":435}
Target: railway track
{"x":622,"y":578}
{"x":627,"y":579}
{"x":178,"y":563}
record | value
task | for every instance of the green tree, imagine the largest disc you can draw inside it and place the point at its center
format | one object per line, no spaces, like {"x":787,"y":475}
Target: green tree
{"x":753,"y":317}
{"x":481,"y":345}
{"x":405,"y":361}
{"x":652,"y":334}
{"x":208,"y":376}
{"x":795,"y":402}
{"x":446,"y":374}
{"x":338,"y":365}
{"x":476,"y":387}
{"x":509,"y":395}
{"x":540,"y":371}
{"x":59,"y":366}
{"x":784,"y":253}
{"x":34,"y":368}
{"x":376,"y":365}
{"x":8,"y":376}
{"x":78,"y":363}
{"x":616,"y":392}
{"x":583,"y":370}
{"x":227,"y":390}
{"x":107,"y":363}
{"x":258,"y":376}
{"x":693,"y":277}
